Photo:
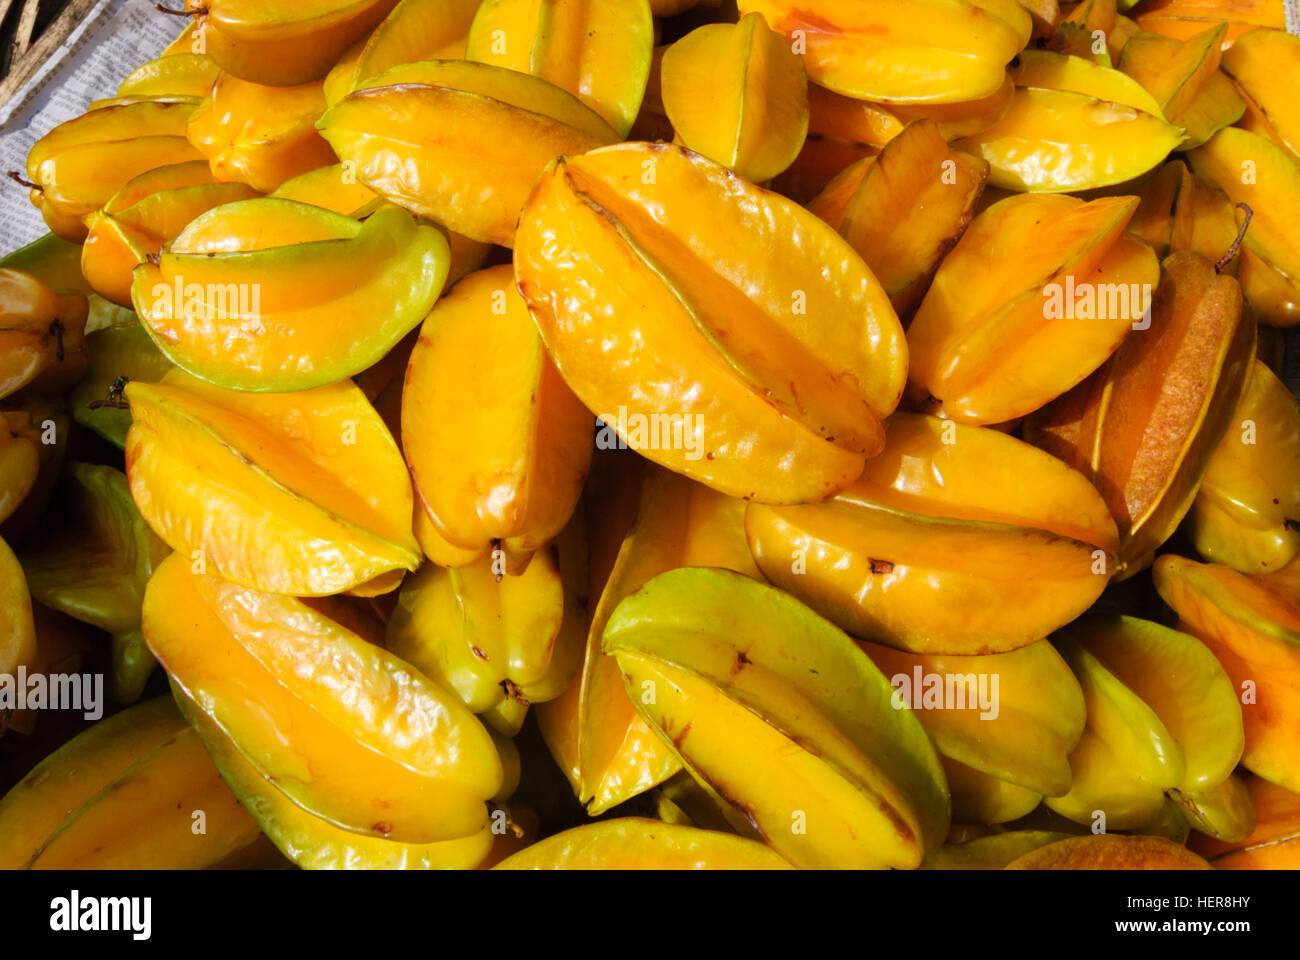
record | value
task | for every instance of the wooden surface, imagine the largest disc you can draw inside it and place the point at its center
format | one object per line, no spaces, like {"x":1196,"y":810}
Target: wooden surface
{"x":30,"y":31}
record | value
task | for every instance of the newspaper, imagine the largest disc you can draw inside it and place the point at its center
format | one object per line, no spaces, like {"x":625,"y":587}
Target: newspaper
{"x":115,"y":38}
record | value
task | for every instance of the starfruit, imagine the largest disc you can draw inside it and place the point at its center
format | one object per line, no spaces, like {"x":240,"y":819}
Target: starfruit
{"x":414,"y":30}
{"x":599,"y":52}
{"x":42,"y":336}
{"x":904,"y":210}
{"x":1014,"y":717}
{"x":956,"y":539}
{"x":1034,"y":297}
{"x":634,"y":843}
{"x":1247,"y":512}
{"x":1162,"y":716}
{"x":300,"y":493}
{"x":489,"y":639}
{"x":678,"y":523}
{"x":930,"y":51}
{"x":259,"y":135}
{"x":777,"y":712}
{"x":80,"y":164}
{"x":143,"y":217}
{"x":497,"y":444}
{"x":120,"y":350}
{"x":283,"y":44}
{"x":1255,"y":171}
{"x":1274,"y":844}
{"x":1057,"y":140}
{"x":17,"y":630}
{"x":62,"y":647}
{"x":757,"y":118}
{"x":956,"y":120}
{"x":1259,"y":62}
{"x":313,"y":843}
{"x":93,"y":565}
{"x":461,"y":143}
{"x":1110,"y":852}
{"x":1144,"y":427}
{"x":376,"y":747}
{"x":1255,"y":633}
{"x":1185,"y":79}
{"x":270,"y":294}
{"x":123,"y":795}
{"x":695,"y":321}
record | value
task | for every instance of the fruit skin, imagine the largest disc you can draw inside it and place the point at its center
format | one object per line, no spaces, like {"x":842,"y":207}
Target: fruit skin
{"x":1093,"y":143}
{"x":263,"y":490}
{"x":756,"y":120}
{"x":311,"y":842}
{"x":1035,"y":296}
{"x":926,"y":51}
{"x":784,"y":717}
{"x":259,"y":135}
{"x":1272,"y":192}
{"x":120,"y":796}
{"x":324,"y":300}
{"x":80,"y":164}
{"x":1246,"y":511}
{"x":599,"y":52}
{"x":1273,"y":844}
{"x":440,"y":150}
{"x":1186,"y":374}
{"x":991,"y":852}
{"x":633,"y":843}
{"x":931,"y":551}
{"x":94,"y":564}
{"x":915,"y":172}
{"x":1162,"y":716}
{"x":177,"y":75}
{"x":1255,"y":633}
{"x":376,"y":747}
{"x":42,"y":336}
{"x":1110,"y":852}
{"x":764,"y":392}
{"x":283,"y":44}
{"x":497,"y":444}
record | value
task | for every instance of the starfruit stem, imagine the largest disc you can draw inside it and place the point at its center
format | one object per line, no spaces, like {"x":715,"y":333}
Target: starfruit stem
{"x":201,"y":11}
{"x":513,"y":692}
{"x":1226,"y":259}
{"x":17,"y":178}
{"x":115,"y":398}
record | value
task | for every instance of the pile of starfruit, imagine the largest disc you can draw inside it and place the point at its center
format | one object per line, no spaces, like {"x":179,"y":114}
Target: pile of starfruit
{"x":661,"y":434}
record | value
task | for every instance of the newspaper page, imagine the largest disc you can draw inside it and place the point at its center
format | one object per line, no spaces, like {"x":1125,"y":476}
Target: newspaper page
{"x":115,"y":38}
